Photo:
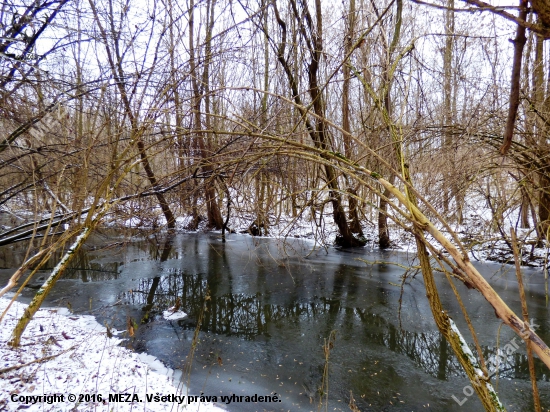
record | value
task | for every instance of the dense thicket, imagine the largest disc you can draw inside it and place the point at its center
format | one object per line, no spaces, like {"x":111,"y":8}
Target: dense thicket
{"x":122,"y":91}
{"x":271,"y":112}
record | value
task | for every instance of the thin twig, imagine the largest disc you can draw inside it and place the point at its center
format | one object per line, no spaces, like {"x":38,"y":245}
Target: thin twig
{"x":536,"y":398}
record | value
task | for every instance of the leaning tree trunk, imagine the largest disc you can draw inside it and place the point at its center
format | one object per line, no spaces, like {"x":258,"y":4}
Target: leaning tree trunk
{"x":136,"y":132}
{"x":519,"y":43}
{"x":47,"y":286}
{"x":317,"y":132}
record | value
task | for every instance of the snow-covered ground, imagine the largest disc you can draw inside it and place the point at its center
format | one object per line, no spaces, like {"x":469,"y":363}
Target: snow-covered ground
{"x":484,"y":231}
{"x":72,"y":357}
{"x":480,"y":232}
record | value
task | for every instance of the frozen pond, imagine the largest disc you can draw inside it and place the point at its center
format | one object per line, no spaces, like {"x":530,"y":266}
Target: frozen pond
{"x":272,"y":304}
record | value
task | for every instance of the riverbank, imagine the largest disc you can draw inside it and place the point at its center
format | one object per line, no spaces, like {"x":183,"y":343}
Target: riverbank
{"x":482,"y":231}
{"x":73,"y":356}
{"x":476,"y":232}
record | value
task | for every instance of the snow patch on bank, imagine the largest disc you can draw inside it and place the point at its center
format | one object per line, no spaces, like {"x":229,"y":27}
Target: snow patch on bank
{"x":79,"y":358}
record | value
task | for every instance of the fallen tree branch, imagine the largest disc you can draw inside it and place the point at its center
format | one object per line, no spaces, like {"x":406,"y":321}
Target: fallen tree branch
{"x":68,"y":217}
{"x":22,"y":269}
{"x":44,"y":359}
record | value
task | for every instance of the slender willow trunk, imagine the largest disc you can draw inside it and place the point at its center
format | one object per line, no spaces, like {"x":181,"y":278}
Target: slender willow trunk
{"x":451,"y":182}
{"x":215,"y":219}
{"x":80,"y":174}
{"x":261,"y":225}
{"x":384,"y":240}
{"x":542,"y":148}
{"x":262,"y":204}
{"x":525,"y":206}
{"x":179,"y":137}
{"x":355,"y":225}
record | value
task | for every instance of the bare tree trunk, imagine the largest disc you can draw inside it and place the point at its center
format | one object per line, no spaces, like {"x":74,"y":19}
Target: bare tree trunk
{"x":355,"y":225}
{"x":541,"y":147}
{"x":178,"y":107}
{"x":384,"y":240}
{"x":519,"y":43}
{"x":346,"y":71}
{"x":215,"y":219}
{"x":451,"y":183}
{"x":544,"y":202}
{"x":525,"y":206}
{"x":80,"y":172}
{"x":261,"y":216}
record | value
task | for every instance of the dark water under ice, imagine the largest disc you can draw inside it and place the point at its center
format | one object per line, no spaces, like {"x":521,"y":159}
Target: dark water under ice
{"x":273,"y":303}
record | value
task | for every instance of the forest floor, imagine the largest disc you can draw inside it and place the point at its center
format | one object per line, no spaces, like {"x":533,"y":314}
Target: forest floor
{"x":72,"y":356}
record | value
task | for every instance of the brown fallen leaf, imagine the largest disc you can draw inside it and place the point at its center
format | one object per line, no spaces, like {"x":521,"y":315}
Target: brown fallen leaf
{"x":220,"y":362}
{"x":66,"y":336}
{"x":130,"y":323}
{"x":352,"y":405}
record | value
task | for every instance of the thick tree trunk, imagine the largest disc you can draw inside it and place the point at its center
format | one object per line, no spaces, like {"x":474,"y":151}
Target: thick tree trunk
{"x":544,"y":202}
{"x":353,"y":213}
{"x":320,"y":137}
{"x":519,"y":43}
{"x":384,"y":240}
{"x":354,"y":225}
